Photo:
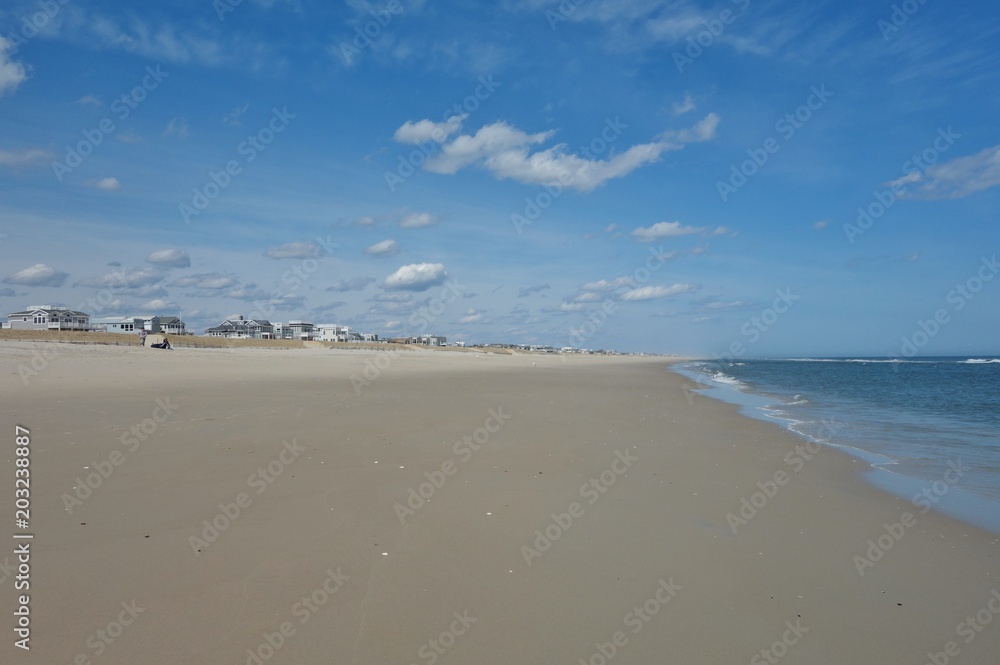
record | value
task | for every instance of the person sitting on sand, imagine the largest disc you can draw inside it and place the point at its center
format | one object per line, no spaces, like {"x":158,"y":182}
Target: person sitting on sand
{"x":165,"y":344}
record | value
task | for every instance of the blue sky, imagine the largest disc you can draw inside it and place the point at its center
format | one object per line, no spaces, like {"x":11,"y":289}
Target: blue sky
{"x":687,"y":175}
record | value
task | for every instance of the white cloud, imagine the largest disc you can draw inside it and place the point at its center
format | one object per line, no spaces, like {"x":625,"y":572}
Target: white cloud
{"x":954,"y":179}
{"x":392,"y":297}
{"x":720,"y":304}
{"x":821,"y":224}
{"x":12,"y":74}
{"x":488,"y":141}
{"x":148,"y":291}
{"x":666,"y":256}
{"x":28,"y":157}
{"x":472,"y":316}
{"x":653,"y":292}
{"x":383,"y":248}
{"x":425,"y":130}
{"x":89,"y":100}
{"x":605,"y":286}
{"x":356,"y":284}
{"x":682,"y":107}
{"x":366,"y":220}
{"x":125,"y":279}
{"x":664,"y":230}
{"x":108,"y":184}
{"x":233,"y":117}
{"x":165,"y":42}
{"x":674,"y":28}
{"x":416,"y":277}
{"x":526,"y":291}
{"x":208,"y":281}
{"x":418,"y":220}
{"x":37,"y":275}
{"x":128,"y":137}
{"x":158,"y":304}
{"x":293,"y":250}
{"x":177,"y":127}
{"x":171,"y":258}
{"x":505,"y":151}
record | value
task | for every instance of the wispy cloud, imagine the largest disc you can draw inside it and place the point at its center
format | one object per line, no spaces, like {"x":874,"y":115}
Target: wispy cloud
{"x":685,"y":105}
{"x":954,"y":179}
{"x":108,"y":184}
{"x":177,"y":127}
{"x":159,"y":42}
{"x":207,"y":281}
{"x":383,"y":248}
{"x":506,"y":152}
{"x":293,"y":250}
{"x":39,"y":274}
{"x":526,"y":291}
{"x":355,"y":284}
{"x":233,"y":117}
{"x":425,"y":130}
{"x":417,"y":220}
{"x":29,"y":157}
{"x":662,"y":230}
{"x":12,"y":73}
{"x":125,"y":279}
{"x":656,"y":292}
{"x":170,"y":258}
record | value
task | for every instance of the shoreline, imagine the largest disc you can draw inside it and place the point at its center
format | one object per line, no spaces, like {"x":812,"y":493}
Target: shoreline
{"x":556,"y":497}
{"x":953,"y":501}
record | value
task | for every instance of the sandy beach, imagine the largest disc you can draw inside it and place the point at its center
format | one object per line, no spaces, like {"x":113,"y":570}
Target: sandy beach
{"x":327,"y":506}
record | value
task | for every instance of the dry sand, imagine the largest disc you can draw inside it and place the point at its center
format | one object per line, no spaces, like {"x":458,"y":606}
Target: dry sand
{"x":321,"y":524}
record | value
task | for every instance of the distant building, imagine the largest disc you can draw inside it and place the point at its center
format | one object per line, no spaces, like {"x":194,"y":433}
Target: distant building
{"x":47,"y":317}
{"x":168,"y":325}
{"x":301,"y":329}
{"x":118,"y":324}
{"x":431,"y":340}
{"x":294,"y":330}
{"x":172,"y":325}
{"x":332,"y":332}
{"x":241,"y":328}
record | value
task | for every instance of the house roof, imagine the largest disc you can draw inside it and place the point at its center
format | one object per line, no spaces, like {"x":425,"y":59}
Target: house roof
{"x":230,"y":326}
{"x":48,"y":310}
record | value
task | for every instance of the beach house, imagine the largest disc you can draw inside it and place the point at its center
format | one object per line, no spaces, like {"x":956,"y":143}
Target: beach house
{"x":118,"y":324}
{"x":172,"y":325}
{"x":47,"y":317}
{"x":168,"y":325}
{"x":238,"y":327}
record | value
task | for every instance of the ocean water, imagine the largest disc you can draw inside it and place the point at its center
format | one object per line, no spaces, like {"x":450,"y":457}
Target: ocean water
{"x":911,"y":420}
